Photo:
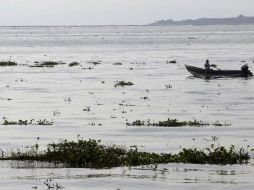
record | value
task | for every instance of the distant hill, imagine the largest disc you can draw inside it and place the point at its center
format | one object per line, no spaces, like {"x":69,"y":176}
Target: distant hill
{"x":207,"y":21}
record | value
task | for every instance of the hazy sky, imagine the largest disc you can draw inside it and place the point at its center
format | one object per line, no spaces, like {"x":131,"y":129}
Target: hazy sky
{"x":100,"y":12}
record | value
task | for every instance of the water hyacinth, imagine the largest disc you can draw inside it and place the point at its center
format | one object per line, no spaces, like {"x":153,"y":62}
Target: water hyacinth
{"x":174,"y":123}
{"x":92,"y":154}
{"x":27,"y":122}
{"x":123,"y":83}
{"x":7,"y":63}
{"x":47,"y":64}
{"x":168,"y":123}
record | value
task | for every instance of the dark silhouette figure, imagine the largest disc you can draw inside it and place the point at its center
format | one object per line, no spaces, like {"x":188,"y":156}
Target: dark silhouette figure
{"x":207,"y":65}
{"x":245,"y":70}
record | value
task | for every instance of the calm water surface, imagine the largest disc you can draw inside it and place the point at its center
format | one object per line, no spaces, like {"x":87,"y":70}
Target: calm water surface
{"x":61,"y":93}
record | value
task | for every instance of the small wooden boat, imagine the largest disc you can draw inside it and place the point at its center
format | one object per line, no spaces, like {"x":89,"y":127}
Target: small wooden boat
{"x":210,"y":73}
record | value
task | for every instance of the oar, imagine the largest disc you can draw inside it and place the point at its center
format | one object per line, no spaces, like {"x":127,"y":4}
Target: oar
{"x":214,"y":66}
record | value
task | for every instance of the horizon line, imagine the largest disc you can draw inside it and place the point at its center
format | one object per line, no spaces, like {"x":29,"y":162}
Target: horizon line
{"x":76,"y":25}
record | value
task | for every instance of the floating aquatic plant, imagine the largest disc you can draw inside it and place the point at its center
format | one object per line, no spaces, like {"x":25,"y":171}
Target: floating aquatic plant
{"x":95,"y":62}
{"x":72,"y":64}
{"x":27,"y":122}
{"x":92,"y":154}
{"x":117,"y":63}
{"x":145,"y":98}
{"x":218,"y":124}
{"x":87,"y":68}
{"x":168,"y":86}
{"x":47,"y":64}
{"x":172,"y":62}
{"x":7,"y":63}
{"x":213,"y":155}
{"x":50,"y":184}
{"x":87,"y":109}
{"x":168,"y":123}
{"x":175,"y":123}
{"x":123,"y":83}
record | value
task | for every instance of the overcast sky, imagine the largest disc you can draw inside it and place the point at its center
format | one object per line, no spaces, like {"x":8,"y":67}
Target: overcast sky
{"x":104,"y":12}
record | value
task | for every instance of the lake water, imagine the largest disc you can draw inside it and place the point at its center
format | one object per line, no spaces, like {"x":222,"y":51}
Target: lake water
{"x":60,"y":94}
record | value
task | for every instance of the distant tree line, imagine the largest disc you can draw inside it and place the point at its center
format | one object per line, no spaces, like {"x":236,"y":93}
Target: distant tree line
{"x":241,"y":19}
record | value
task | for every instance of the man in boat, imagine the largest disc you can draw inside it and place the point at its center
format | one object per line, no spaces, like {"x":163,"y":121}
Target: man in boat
{"x":246,"y":71}
{"x":207,"y":65}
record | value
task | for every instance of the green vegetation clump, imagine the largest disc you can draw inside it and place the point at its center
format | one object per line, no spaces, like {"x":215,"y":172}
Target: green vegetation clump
{"x":168,"y":123}
{"x":95,"y":62}
{"x":7,"y":63}
{"x":47,"y":64}
{"x":218,"y":124}
{"x":168,"y":86}
{"x":117,"y":63}
{"x":212,"y":155}
{"x":74,"y":64}
{"x":92,"y":154}
{"x":27,"y":122}
{"x":87,"y":68}
{"x":123,"y":83}
{"x":43,"y":122}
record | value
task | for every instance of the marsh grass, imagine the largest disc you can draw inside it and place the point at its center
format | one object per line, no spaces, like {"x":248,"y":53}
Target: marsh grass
{"x":123,"y":83}
{"x":27,"y":122}
{"x":7,"y":63}
{"x":92,"y":154}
